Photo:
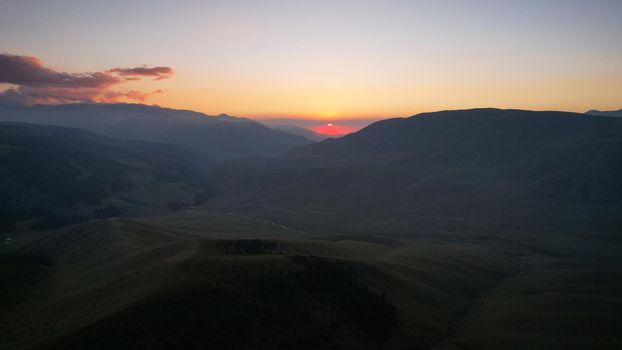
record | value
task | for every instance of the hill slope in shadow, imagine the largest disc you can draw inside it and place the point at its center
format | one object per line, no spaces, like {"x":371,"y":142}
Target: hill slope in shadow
{"x":51,"y":176}
{"x":485,"y":166}
{"x":128,"y":284}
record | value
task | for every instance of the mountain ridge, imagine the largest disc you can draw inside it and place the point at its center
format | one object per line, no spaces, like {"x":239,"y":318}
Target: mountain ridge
{"x":596,"y":112}
{"x":220,"y":138}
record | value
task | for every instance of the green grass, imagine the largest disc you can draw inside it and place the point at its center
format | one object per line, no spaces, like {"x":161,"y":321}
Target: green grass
{"x":551,"y":304}
{"x":123,"y":283}
{"x":162,"y":280}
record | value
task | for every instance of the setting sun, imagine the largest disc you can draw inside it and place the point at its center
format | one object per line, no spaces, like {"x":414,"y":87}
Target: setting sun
{"x":332,"y":129}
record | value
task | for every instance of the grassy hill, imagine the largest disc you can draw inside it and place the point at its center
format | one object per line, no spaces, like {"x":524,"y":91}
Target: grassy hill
{"x":128,"y":284}
{"x":156,"y":283}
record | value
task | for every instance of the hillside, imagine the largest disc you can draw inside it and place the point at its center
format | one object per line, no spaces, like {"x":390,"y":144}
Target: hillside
{"x":51,"y":176}
{"x":127,"y":284}
{"x":197,"y":279}
{"x":474,"y":167}
{"x":220,"y":138}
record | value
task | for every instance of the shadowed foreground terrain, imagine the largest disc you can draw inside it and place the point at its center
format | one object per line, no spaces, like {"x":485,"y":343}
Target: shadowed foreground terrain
{"x":127,"y":284}
{"x":130,"y":284}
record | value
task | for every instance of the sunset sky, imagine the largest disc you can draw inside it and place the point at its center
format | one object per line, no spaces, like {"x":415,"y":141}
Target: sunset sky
{"x":329,"y":60}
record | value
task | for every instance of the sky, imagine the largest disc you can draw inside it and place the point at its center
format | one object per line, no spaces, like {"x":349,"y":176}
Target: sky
{"x":326,"y":60}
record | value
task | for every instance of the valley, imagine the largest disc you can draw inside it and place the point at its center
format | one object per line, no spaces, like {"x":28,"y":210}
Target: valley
{"x":394,"y":237}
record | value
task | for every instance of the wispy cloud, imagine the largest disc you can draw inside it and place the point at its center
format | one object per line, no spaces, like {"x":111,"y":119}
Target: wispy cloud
{"x":34,"y":83}
{"x":135,"y":73}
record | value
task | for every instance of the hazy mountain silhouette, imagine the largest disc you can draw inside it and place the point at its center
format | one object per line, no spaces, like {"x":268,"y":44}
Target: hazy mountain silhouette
{"x":221,"y":138}
{"x":318,"y":129}
{"x":300,"y":131}
{"x":53,"y":176}
{"x":508,"y":166}
{"x":595,"y":112}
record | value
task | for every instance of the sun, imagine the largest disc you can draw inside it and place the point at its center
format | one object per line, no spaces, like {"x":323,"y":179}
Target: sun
{"x":329,"y":124}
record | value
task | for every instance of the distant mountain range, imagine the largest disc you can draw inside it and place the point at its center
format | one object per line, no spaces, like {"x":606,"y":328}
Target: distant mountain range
{"x":317,"y":129}
{"x":548,"y":169}
{"x":296,"y":130}
{"x":617,"y":113}
{"x":221,"y":137}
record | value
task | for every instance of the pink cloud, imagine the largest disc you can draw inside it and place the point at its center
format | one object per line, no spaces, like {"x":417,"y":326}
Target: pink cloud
{"x":134,"y":73}
{"x":134,"y":95}
{"x":37,"y":84}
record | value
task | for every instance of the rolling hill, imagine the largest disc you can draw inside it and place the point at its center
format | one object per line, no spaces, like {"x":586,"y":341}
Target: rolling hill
{"x":198,"y":279}
{"x":220,"y":138}
{"x":51,"y":176}
{"x":129,"y":284}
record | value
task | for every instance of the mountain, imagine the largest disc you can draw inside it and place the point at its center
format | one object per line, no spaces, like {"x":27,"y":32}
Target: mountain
{"x":485,"y":166}
{"x":51,"y":176}
{"x":221,"y":138}
{"x":617,"y":113}
{"x":296,"y":130}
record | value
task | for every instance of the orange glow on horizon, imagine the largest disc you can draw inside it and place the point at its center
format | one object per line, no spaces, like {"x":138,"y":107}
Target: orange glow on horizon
{"x":332,"y":129}
{"x":577,"y":93}
{"x":331,"y":61}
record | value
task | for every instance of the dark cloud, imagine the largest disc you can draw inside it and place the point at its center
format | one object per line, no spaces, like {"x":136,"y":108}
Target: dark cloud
{"x":29,"y":71}
{"x":36,"y":84}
